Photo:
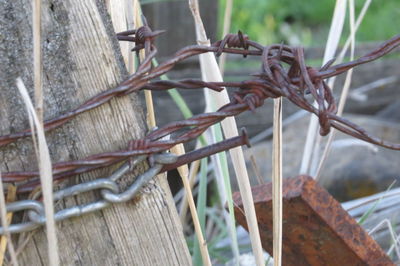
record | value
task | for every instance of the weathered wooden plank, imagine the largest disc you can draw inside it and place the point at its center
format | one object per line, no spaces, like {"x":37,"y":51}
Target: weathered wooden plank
{"x":81,"y":59}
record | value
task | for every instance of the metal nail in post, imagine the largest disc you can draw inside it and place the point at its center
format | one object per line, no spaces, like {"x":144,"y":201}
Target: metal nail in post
{"x":209,"y":150}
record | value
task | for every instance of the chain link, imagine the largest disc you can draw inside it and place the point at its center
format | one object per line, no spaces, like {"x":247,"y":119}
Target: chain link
{"x":109,"y":192}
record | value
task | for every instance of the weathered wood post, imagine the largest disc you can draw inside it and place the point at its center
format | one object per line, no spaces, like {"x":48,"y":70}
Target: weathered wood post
{"x":81,"y":59}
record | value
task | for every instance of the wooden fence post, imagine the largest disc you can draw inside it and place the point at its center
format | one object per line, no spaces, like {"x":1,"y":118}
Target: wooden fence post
{"x":81,"y":59}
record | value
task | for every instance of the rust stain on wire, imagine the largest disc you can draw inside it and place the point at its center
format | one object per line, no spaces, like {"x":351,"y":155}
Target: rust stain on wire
{"x":284,"y":73}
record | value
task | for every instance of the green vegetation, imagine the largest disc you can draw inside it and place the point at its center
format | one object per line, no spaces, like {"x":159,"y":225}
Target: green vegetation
{"x":370,"y":211}
{"x":381,"y":22}
{"x":307,"y":22}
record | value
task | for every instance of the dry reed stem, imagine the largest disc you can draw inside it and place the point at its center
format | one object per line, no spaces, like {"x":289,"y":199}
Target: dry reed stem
{"x":37,"y":57}
{"x":184,"y":173}
{"x":333,"y":40}
{"x":357,"y":25}
{"x":46,"y":175}
{"x":332,"y":81}
{"x":393,"y":235}
{"x":317,"y":162}
{"x":210,"y":72}
{"x":23,"y":241}
{"x":194,"y":168}
{"x":256,"y":170}
{"x":225,"y":31}
{"x":5,"y":221}
{"x":345,"y":91}
{"x":42,"y":151}
{"x":151,"y":118}
{"x":277,"y":182}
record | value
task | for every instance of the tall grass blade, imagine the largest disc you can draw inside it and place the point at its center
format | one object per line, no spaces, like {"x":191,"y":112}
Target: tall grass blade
{"x":225,"y":31}
{"x":184,"y":173}
{"x":210,"y":72}
{"x":221,"y":168}
{"x":179,"y":101}
{"x":358,"y":22}
{"x":277,"y":183}
{"x":365,"y":216}
{"x":194,"y":168}
{"x":343,"y":97}
{"x":46,"y":176}
{"x":201,"y":209}
{"x":333,"y":40}
{"x":186,"y":112}
{"x":151,"y":117}
{"x":5,"y":221}
{"x":37,"y":57}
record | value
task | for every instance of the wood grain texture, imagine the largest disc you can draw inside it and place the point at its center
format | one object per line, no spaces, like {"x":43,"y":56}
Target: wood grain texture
{"x":81,"y":59}
{"x":122,"y":14}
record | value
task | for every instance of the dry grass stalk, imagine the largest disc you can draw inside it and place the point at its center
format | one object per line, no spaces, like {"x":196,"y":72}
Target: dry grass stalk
{"x":358,"y":22}
{"x":210,"y":72}
{"x":126,"y":14}
{"x":194,"y":168}
{"x":277,"y":183}
{"x":214,"y":133}
{"x":46,"y":175}
{"x":333,"y":40}
{"x":225,"y":31}
{"x":23,"y":241}
{"x":184,"y":173}
{"x":5,"y":221}
{"x":256,"y":170}
{"x":222,"y":178}
{"x":392,"y":232}
{"x":317,"y":162}
{"x":41,"y":145}
{"x":345,"y":90}
{"x":37,"y":57}
{"x":151,"y":118}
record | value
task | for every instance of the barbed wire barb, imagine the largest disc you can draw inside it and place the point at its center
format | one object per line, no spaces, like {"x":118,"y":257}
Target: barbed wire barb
{"x":283,"y":73}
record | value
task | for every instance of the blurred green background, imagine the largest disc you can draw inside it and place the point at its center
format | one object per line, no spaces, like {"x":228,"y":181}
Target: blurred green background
{"x":307,"y":22}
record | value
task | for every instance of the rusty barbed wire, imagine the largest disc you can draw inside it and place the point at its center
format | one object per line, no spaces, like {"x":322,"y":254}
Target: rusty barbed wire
{"x":274,"y":80}
{"x":110,"y":193}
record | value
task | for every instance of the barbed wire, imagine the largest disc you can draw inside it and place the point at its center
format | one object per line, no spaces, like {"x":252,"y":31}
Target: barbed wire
{"x":109,"y":190}
{"x":274,"y":80}
{"x":284,"y":73}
